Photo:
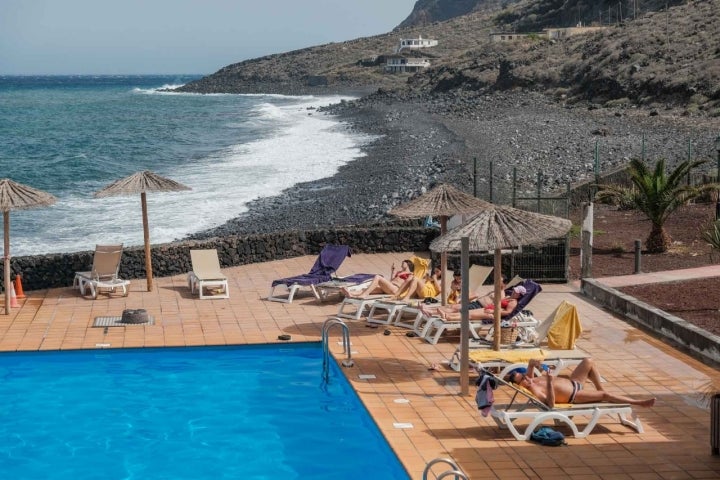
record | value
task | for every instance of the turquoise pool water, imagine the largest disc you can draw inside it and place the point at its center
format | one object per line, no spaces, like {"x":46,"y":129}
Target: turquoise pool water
{"x":250,"y":412}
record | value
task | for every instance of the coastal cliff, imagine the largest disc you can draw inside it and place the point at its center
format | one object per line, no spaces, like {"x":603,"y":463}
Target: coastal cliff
{"x":496,"y":117}
{"x":648,"y":58}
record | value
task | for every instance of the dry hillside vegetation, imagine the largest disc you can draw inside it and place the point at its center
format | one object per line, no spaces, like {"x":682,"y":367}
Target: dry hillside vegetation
{"x":661,"y":58}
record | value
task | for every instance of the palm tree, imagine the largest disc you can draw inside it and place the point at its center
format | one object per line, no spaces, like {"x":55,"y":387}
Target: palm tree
{"x":657,"y":195}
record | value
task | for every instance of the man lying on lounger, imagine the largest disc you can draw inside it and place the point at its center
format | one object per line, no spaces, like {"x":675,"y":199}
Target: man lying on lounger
{"x":551,"y":389}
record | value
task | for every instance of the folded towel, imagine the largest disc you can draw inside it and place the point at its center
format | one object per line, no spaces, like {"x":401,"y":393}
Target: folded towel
{"x":566,"y":329}
{"x":515,"y":355}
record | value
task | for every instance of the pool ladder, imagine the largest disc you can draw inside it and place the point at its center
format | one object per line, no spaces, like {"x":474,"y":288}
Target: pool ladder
{"x":455,"y":473}
{"x":348,"y":362}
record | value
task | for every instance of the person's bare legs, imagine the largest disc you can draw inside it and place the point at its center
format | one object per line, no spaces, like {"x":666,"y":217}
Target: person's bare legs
{"x":595,"y":396}
{"x":430,"y":310}
{"x":379,"y":284}
{"x":413,"y":286}
{"x":386,"y":286}
{"x":586,"y":369}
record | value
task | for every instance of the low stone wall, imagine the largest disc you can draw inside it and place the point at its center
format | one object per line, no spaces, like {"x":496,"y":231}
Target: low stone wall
{"x":698,"y":342}
{"x":57,"y":270}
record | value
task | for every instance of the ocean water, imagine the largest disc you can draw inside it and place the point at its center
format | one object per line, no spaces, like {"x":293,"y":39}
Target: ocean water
{"x":73,"y":135}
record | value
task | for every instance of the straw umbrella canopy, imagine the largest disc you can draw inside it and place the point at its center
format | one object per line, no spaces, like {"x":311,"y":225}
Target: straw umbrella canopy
{"x":442,"y":201}
{"x":493,"y":229}
{"x":142,"y":182}
{"x":15,"y":196}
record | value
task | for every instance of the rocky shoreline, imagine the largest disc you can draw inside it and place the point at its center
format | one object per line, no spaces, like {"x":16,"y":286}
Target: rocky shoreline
{"x":427,"y":139}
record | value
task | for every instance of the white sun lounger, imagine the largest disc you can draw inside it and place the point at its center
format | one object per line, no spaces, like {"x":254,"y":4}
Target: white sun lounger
{"x":206,"y":279}
{"x":532,"y":409}
{"x":104,"y":272}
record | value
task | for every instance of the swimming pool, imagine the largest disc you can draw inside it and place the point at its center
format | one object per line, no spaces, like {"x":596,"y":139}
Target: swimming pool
{"x":251,"y":412}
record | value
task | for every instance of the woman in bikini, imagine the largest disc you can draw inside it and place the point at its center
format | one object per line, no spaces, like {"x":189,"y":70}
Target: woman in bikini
{"x":380,"y":284}
{"x":415,"y":287}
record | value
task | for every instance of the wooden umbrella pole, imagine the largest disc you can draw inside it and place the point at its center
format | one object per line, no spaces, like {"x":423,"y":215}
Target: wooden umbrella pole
{"x":6,"y":255}
{"x":465,"y":316}
{"x":443,"y":264}
{"x":497,"y":280}
{"x":146,"y":234}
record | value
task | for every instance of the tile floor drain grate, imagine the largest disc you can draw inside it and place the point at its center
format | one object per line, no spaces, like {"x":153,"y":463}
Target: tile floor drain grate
{"x":117,"y":322}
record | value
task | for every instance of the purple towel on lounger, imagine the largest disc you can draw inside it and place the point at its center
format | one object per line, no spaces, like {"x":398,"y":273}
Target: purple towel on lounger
{"x":329,"y":260}
{"x":531,"y":289}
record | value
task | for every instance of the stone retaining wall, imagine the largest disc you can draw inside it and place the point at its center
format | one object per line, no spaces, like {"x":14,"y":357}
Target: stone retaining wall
{"x":57,"y":270}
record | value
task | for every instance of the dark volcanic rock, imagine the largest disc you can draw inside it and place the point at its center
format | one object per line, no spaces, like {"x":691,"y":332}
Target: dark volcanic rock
{"x":424,"y":139}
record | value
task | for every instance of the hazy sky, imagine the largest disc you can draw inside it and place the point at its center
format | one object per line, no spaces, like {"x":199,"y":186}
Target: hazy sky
{"x":176,"y":36}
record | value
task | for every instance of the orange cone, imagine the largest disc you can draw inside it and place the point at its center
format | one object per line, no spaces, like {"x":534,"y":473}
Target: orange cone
{"x":13,"y":298}
{"x":18,"y":287}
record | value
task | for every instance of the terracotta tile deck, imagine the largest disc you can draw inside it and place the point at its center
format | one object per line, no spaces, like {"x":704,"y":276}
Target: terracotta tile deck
{"x":675,"y":444}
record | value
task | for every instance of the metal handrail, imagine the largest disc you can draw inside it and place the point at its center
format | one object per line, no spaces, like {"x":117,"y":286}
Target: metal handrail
{"x":455,"y":471}
{"x":348,"y":362}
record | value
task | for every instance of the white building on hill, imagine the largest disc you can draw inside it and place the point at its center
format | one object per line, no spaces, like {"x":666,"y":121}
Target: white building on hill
{"x":400,"y":64}
{"x":415,"y":43}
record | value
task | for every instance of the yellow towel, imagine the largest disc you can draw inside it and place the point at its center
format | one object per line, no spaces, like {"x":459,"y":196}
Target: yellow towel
{"x":516,"y":355}
{"x":566,"y":329}
{"x":421,"y":266}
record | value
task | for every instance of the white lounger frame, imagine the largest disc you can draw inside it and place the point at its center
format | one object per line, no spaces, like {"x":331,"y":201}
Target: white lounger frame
{"x":595,"y":411}
{"x":505,"y":415}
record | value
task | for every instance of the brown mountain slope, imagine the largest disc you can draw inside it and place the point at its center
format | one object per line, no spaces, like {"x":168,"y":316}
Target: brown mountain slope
{"x":661,"y":58}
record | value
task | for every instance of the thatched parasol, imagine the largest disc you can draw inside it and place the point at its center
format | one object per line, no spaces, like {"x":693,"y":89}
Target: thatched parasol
{"x":442,"y":201}
{"x":15,"y":196}
{"x":142,"y":182}
{"x":493,"y":229}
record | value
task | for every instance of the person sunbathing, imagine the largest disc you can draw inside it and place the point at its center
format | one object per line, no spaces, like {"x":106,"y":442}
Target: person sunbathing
{"x":455,"y":305}
{"x":380,"y":284}
{"x":551,"y":389}
{"x":414,"y":287}
{"x":507,"y":306}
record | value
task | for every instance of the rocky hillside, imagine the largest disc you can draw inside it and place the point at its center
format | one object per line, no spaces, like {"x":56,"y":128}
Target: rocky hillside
{"x":533,"y":16}
{"x":426,"y":12}
{"x":660,"y":59}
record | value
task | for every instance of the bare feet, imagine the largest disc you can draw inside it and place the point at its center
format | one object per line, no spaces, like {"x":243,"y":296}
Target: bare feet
{"x":348,"y":294}
{"x":646,"y":403}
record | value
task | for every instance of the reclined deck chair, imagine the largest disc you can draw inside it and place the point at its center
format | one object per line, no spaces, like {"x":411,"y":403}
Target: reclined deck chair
{"x":104,"y":272}
{"x":383,"y":311}
{"x":434,"y":328}
{"x":354,"y":308}
{"x":507,"y":415}
{"x":560,"y":329}
{"x":325,"y":290}
{"x":327,"y":263}
{"x":206,"y":278}
{"x":477,"y":274}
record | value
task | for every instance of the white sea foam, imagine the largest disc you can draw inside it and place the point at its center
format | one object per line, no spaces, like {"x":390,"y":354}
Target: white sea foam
{"x":296,"y":144}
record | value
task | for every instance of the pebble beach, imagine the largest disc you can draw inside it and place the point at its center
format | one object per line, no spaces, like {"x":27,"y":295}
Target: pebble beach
{"x":424,"y":140}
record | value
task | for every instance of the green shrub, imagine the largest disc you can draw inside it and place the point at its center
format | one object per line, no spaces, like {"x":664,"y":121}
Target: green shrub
{"x":711,"y":234}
